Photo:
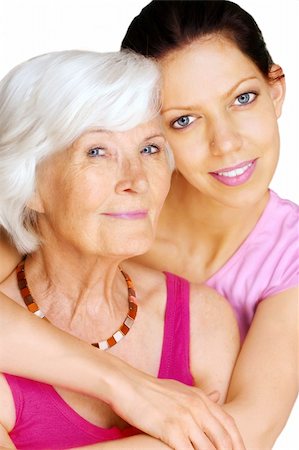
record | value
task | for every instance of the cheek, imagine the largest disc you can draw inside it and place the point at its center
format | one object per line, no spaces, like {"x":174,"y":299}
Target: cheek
{"x":189,"y":156}
{"x":53,"y":192}
{"x":160,"y":185}
{"x":188,"y":147}
{"x":87,"y":190}
{"x":263,"y":131}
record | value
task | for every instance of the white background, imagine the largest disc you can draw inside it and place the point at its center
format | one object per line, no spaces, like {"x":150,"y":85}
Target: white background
{"x":32,"y":27}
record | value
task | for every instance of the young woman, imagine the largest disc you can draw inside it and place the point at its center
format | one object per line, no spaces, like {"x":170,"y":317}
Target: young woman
{"x":222,"y":97}
{"x":221,"y":224}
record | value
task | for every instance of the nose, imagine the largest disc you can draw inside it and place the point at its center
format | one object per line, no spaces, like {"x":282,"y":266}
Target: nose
{"x":224,"y":136}
{"x":132,"y":177}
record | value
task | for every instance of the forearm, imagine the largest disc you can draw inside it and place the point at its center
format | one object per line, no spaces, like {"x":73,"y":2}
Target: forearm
{"x":141,"y":441}
{"x":165,"y":409}
{"x":261,"y":413}
{"x":264,"y":384}
{"x":258,"y":431}
{"x":32,"y":348}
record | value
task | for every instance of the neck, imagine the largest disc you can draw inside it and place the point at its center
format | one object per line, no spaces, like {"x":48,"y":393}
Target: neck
{"x":80,"y":294}
{"x":203,"y":232}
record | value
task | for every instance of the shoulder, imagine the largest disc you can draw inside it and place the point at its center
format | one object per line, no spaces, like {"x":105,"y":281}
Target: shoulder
{"x":150,"y":284}
{"x":282,"y":203}
{"x":211,"y":312}
{"x":278,"y":244}
{"x":214,"y":339}
{"x":268,"y":261}
{"x":281,"y":213}
{"x":142,"y":274}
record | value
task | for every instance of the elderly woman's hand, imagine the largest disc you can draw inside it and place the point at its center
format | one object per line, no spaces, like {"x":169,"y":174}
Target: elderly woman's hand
{"x":181,"y":416}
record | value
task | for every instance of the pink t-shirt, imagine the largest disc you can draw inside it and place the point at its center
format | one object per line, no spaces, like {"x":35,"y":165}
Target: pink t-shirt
{"x":265,"y":264}
{"x":45,"y":421}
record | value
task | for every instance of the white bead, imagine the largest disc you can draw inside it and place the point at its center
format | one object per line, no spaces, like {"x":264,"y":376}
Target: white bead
{"x":40,"y":314}
{"x":118,"y":336}
{"x":103,"y":345}
{"x":129,"y":322}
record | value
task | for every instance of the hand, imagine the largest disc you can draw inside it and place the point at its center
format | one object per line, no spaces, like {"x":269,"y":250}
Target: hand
{"x":183,"y":417}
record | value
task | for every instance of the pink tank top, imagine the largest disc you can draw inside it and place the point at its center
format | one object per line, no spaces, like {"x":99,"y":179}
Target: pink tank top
{"x":45,"y":421}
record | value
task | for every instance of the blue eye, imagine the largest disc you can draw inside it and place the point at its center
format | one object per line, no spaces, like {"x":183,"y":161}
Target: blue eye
{"x":246,"y":98}
{"x":97,"y":151}
{"x":183,"y":122}
{"x":150,"y":149}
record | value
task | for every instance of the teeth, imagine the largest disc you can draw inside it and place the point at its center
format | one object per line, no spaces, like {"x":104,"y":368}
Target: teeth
{"x":236,"y":172}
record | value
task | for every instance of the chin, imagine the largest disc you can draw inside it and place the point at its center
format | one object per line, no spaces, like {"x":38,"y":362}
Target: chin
{"x":247,"y":197}
{"x":130,"y":247}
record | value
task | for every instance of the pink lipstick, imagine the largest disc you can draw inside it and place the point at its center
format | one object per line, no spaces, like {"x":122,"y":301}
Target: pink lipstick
{"x":127,"y":215}
{"x":236,"y":175}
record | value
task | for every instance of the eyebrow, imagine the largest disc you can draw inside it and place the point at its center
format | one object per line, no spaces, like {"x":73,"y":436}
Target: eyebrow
{"x":154,"y":136}
{"x":98,"y":130}
{"x":109,"y":132}
{"x":227,"y":94}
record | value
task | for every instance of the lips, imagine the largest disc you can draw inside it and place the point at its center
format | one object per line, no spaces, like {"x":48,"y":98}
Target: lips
{"x":127,"y":215}
{"x":236,"y":175}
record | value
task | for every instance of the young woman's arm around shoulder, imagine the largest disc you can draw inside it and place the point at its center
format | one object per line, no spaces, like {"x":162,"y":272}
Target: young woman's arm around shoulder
{"x":76,"y":365}
{"x":264,"y":384}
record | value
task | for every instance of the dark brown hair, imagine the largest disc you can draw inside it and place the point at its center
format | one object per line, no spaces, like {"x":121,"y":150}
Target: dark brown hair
{"x":163,"y":26}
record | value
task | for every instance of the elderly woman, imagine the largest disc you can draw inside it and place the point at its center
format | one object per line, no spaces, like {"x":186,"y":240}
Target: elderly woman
{"x":84,"y":173}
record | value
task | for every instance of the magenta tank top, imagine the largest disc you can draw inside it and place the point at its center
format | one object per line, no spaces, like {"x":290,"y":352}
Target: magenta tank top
{"x":45,"y":421}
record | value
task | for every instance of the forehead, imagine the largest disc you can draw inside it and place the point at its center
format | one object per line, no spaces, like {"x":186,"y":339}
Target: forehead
{"x":208,"y":63}
{"x":140,"y":133}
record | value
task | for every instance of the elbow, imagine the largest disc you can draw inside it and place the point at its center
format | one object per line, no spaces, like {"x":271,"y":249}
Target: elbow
{"x":259,"y":432}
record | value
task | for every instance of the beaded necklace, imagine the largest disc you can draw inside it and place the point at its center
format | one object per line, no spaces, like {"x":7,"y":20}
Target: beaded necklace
{"x":102,"y":345}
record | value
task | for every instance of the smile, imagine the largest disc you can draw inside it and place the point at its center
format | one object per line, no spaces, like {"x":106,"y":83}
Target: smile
{"x":234,"y":176}
{"x":127,"y":215}
{"x":236,"y":172}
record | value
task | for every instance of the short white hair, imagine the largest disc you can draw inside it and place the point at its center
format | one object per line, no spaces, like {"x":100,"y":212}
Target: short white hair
{"x":46,"y":103}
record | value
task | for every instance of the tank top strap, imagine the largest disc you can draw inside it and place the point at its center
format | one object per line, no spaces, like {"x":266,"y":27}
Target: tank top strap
{"x":175,"y":358}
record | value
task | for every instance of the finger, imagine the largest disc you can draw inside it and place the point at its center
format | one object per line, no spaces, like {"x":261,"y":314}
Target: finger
{"x":229,"y":425}
{"x":214,"y":396}
{"x":218,"y":434}
{"x":180,"y":441}
{"x":200,"y":441}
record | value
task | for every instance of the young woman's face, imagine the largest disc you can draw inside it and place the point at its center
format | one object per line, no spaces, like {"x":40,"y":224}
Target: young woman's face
{"x":220,"y":116}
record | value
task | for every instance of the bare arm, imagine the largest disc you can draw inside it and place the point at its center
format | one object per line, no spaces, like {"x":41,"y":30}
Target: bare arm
{"x":215,"y":345}
{"x":131,"y":443}
{"x":265,"y":380}
{"x":215,"y":341}
{"x":60,"y":359}
{"x":139,"y":442}
{"x":167,"y":409}
{"x":47,"y":354}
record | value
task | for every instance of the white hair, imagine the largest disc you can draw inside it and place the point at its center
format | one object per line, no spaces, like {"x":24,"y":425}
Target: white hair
{"x":46,"y":103}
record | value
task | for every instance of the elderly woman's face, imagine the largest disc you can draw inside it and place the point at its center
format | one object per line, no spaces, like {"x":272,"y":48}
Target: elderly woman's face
{"x":103,"y":195}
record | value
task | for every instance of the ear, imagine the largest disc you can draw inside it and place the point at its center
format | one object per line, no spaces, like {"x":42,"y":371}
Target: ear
{"x":35,"y":203}
{"x":277,"y":88}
